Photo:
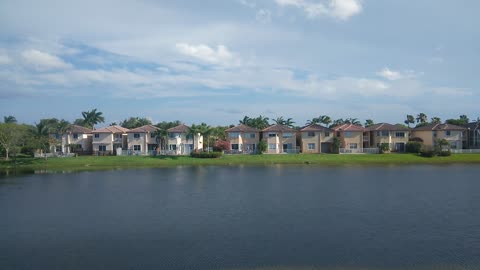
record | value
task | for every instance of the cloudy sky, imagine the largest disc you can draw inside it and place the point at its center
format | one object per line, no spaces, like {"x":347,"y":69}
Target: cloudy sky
{"x":218,"y":60}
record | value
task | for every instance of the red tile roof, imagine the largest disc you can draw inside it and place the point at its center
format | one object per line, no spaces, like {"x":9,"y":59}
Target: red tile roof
{"x":179,"y":129}
{"x":279,"y":128}
{"x":314,"y":127}
{"x":386,"y":127}
{"x":144,"y":129}
{"x":433,"y":127}
{"x":349,"y":127}
{"x":242,"y":128}
{"x":111,"y":129}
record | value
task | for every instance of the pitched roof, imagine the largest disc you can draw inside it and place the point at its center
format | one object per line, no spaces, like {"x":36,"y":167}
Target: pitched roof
{"x":111,"y":129}
{"x":78,"y":129}
{"x":279,"y":128}
{"x":433,"y":127}
{"x":349,"y":127}
{"x":386,"y":127}
{"x":242,"y":128}
{"x":473,"y":125}
{"x":144,"y":129}
{"x":179,"y":129}
{"x":314,"y":127}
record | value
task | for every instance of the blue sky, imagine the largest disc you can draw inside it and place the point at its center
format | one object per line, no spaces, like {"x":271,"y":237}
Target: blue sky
{"x":216,"y":61}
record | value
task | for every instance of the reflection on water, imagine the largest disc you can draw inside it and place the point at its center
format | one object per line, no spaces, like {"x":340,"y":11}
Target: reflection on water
{"x":272,"y":217}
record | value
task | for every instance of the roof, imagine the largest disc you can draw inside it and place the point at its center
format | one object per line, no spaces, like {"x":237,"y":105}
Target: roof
{"x":314,"y":127}
{"x":349,"y":127}
{"x":473,"y":125}
{"x":144,"y":129}
{"x":386,"y":127}
{"x":242,"y":128}
{"x":78,"y":129}
{"x":279,"y":128}
{"x":179,"y":129}
{"x":111,"y":129}
{"x":434,"y":127}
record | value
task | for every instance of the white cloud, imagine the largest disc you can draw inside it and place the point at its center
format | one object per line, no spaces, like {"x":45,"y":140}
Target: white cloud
{"x":4,"y":58}
{"x":44,"y":61}
{"x":390,"y":74}
{"x":250,"y":4}
{"x":220,"y":55}
{"x":264,"y":16}
{"x":338,"y":9}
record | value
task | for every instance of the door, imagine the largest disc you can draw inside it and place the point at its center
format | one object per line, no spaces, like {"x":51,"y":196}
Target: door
{"x":400,"y":147}
{"x":325,"y":147}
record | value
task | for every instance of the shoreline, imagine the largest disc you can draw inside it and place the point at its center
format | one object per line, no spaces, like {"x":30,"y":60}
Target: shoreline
{"x":93,"y":163}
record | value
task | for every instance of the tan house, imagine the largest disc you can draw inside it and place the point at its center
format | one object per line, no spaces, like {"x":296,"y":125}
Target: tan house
{"x":351,"y":138}
{"x":76,"y":139}
{"x":142,"y":140}
{"x":280,"y":139}
{"x":432,"y":132}
{"x":396,"y":136}
{"x":316,"y":139}
{"x":243,"y":139}
{"x":109,"y":139}
{"x":182,"y":142}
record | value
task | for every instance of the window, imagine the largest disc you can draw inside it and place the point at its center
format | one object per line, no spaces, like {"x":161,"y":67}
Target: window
{"x":383,"y":133}
{"x":136,"y":135}
{"x":57,"y":136}
{"x":353,"y":146}
{"x":136,"y":147}
{"x":311,"y":134}
{"x":233,"y":134}
{"x":435,"y":134}
{"x":400,"y":134}
{"x":348,"y":134}
{"x":327,"y":133}
{"x":311,"y":146}
{"x":102,"y":148}
{"x":453,"y":145}
{"x":272,"y":146}
{"x":235,"y":146}
{"x":75,"y":135}
{"x":448,"y":133}
{"x":172,"y":147}
{"x":251,"y":135}
{"x":338,"y":133}
{"x":287,"y":135}
{"x":153,"y":135}
{"x":118,"y":136}
{"x":173,"y":135}
{"x":188,"y":137}
{"x":272,"y":134}
{"x":97,"y":135}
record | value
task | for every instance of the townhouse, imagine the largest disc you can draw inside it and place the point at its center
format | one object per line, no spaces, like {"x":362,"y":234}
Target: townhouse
{"x":109,"y":140}
{"x":396,"y":136}
{"x":351,"y":138}
{"x":182,"y":141}
{"x":430,"y":133}
{"x":76,"y":139}
{"x":280,"y":139}
{"x":143,"y":140}
{"x":243,"y":139}
{"x":316,"y":139}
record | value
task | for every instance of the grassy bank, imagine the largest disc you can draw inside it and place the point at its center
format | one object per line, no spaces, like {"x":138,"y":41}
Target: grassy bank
{"x":112,"y":162}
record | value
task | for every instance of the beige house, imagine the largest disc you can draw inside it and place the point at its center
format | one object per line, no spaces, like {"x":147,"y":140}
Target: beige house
{"x":142,"y":140}
{"x":432,"y":132}
{"x":316,"y":139}
{"x":182,"y":142}
{"x":243,"y":139}
{"x":351,"y":138}
{"x":76,"y":139}
{"x":107,"y":140}
{"x":396,"y":136}
{"x":280,"y":139}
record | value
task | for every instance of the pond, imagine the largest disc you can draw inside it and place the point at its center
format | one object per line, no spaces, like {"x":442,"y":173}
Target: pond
{"x":243,"y":217}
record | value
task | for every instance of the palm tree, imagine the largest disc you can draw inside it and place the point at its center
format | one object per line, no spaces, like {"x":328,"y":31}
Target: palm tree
{"x":314,"y":121}
{"x":436,"y":120}
{"x":260,"y":122}
{"x":325,"y":119}
{"x":353,"y":121}
{"x":421,"y":118}
{"x":92,"y":118}
{"x":205,"y":130}
{"x":279,"y":120}
{"x":289,"y":122}
{"x":464,"y":119}
{"x":337,"y":122}
{"x":368,"y":122}
{"x":410,"y":120}
{"x":9,"y":119}
{"x":246,"y":120}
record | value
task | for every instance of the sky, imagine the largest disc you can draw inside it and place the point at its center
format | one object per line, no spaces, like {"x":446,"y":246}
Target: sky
{"x":216,"y":61}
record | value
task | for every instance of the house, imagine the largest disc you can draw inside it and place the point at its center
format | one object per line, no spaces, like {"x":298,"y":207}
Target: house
{"x":109,"y":139}
{"x":142,"y":140}
{"x":396,"y":136}
{"x":473,"y":135}
{"x":351,"y":138}
{"x":243,"y":139}
{"x":316,"y":139}
{"x":182,"y":142}
{"x":432,"y":132}
{"x":280,"y":139}
{"x":76,"y":139}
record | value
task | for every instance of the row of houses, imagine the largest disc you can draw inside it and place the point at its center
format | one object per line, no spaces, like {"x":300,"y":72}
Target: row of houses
{"x":279,"y":139}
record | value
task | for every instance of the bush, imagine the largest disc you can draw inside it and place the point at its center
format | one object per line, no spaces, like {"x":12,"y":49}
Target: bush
{"x":384,"y":147}
{"x":221,"y":146}
{"x":261,"y":147}
{"x":445,"y":153}
{"x":427,"y":153}
{"x":413,"y":147}
{"x":206,"y":154}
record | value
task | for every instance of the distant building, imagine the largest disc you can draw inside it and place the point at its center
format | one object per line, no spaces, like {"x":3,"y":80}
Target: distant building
{"x":143,"y":140}
{"x":182,"y":142}
{"x":316,"y":139}
{"x":107,"y":140}
{"x":243,"y":139}
{"x":432,"y":132}
{"x":280,"y":139}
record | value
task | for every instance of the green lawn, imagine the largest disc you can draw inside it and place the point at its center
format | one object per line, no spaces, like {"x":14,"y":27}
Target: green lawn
{"x":111,"y":162}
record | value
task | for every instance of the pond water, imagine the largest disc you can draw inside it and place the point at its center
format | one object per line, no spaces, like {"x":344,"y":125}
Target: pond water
{"x":272,"y":217}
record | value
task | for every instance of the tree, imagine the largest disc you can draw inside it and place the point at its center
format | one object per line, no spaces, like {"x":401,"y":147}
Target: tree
{"x":313,"y":121}
{"x":410,"y":120}
{"x":91,"y":118}
{"x":421,"y":118}
{"x":325,"y":119}
{"x":463,"y":120}
{"x":246,"y":120}
{"x":261,"y":147}
{"x":162,"y":132}
{"x":134,"y":122}
{"x":337,"y":122}
{"x":353,"y":121}
{"x":9,"y":119}
{"x":368,"y":122}
{"x":11,"y":135}
{"x":80,"y":122}
{"x":436,"y":120}
{"x":205,"y":130}
{"x":285,"y":122}
{"x":279,"y":120}
{"x":337,"y":144}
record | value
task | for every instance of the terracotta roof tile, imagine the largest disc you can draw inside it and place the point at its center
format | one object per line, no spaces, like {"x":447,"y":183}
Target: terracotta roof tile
{"x":144,"y":129}
{"x":386,"y":127}
{"x":242,"y":128}
{"x":111,"y":129}
{"x":349,"y":127}
{"x":179,"y":129}
{"x":432,"y":127}
{"x":279,"y":128}
{"x":314,"y":127}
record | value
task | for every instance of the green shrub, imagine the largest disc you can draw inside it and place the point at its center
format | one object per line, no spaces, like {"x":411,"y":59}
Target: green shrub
{"x":427,"y":153}
{"x":445,"y":153}
{"x":261,"y":147}
{"x":206,"y":154}
{"x":384,"y":147}
{"x":413,"y":147}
